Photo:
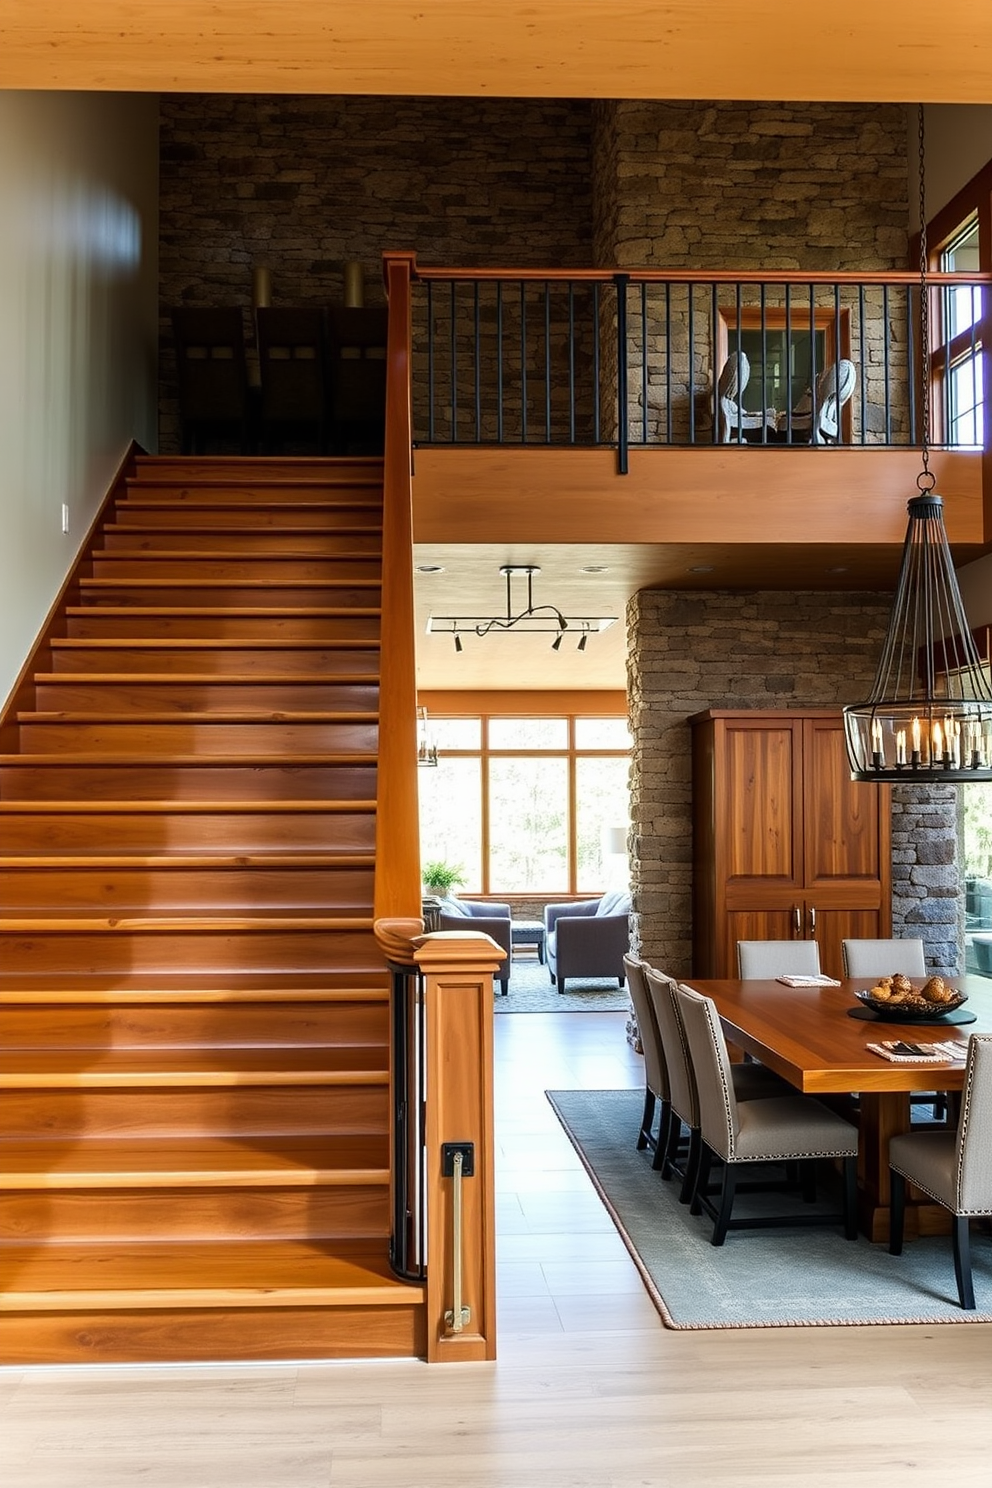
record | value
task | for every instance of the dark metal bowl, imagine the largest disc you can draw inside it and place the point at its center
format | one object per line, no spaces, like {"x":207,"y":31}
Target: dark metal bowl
{"x":902,"y":1012}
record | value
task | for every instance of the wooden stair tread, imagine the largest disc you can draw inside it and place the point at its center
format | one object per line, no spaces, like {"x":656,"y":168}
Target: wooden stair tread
{"x":141,"y":1162}
{"x":71,"y":922}
{"x":159,"y":988}
{"x":277,"y":858}
{"x":200,"y":679}
{"x":229,"y":555}
{"x":212,"y":612}
{"x":210,"y":643}
{"x":257,"y":715}
{"x":189,"y":808}
{"x":69,"y":760}
{"x":266,"y":585}
{"x":162,"y":1066}
{"x":284,"y":529}
{"x":266,"y":1273}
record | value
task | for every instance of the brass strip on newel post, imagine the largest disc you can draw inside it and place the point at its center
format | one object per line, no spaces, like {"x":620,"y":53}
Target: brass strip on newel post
{"x":458,"y":972}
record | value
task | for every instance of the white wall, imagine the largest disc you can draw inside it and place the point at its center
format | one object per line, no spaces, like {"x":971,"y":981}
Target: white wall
{"x":78,"y":330}
{"x":958,"y":143}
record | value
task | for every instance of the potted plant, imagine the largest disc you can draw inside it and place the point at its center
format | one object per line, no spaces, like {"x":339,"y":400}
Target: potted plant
{"x":440,"y":878}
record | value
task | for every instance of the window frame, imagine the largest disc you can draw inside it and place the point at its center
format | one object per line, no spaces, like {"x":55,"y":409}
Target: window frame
{"x":571,"y":708}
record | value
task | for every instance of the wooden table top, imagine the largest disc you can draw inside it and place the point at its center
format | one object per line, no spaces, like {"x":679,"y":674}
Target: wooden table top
{"x":806,"y":1035}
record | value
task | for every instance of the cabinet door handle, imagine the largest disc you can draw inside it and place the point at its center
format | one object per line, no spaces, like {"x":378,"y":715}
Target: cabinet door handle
{"x":812,"y":919}
{"x":797,"y":919}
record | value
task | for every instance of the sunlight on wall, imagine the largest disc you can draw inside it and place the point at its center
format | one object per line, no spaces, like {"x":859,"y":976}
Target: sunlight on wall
{"x":78,"y":307}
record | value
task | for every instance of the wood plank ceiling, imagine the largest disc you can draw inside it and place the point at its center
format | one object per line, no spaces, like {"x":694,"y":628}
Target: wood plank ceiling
{"x":768,"y":49}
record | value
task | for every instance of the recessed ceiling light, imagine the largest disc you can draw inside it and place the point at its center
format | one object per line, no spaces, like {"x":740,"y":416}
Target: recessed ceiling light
{"x":594,"y":568}
{"x":429,"y":568}
{"x":701,"y":568}
{"x":841,"y":568}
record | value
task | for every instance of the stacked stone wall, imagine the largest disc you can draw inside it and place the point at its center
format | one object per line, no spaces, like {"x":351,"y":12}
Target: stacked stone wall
{"x":302,"y":184}
{"x":718,"y":649}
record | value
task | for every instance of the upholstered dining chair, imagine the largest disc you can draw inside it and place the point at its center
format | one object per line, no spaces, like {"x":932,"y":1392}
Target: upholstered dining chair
{"x":750,"y":1082}
{"x":953,"y":1167}
{"x":656,"y":1088}
{"x":763,"y":960}
{"x":790,"y":1129}
{"x":875,"y":958}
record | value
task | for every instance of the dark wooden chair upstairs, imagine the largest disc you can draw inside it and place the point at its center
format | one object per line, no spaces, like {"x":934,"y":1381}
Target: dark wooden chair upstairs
{"x":358,"y":378}
{"x":212,"y":377}
{"x":293,"y":367}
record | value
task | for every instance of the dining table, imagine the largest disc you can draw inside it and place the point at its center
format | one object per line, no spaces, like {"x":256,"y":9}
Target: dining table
{"x":817,"y":1039}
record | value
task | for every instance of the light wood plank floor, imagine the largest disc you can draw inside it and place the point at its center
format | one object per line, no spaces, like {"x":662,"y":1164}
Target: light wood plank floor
{"x":589,"y":1391}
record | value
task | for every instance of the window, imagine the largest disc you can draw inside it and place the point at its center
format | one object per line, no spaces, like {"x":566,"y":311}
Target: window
{"x":786,"y":349}
{"x":957,"y":362}
{"x":527,"y":805}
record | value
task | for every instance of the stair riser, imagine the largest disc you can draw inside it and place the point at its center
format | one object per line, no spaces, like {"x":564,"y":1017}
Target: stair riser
{"x":147,"y":891}
{"x":121,"y":1214}
{"x":149,"y":832}
{"x":227,"y":661}
{"x":203,"y":697}
{"x":190,"y":567}
{"x":269,"y":592}
{"x":107,"y":623}
{"x":88,"y":954}
{"x":330,"y":543}
{"x":198,"y":738}
{"x":75,"y":781}
{"x":264,"y":1333}
{"x":176,"y":1026}
{"x":301,"y":472}
{"x":208,"y":509}
{"x":252,"y":1113}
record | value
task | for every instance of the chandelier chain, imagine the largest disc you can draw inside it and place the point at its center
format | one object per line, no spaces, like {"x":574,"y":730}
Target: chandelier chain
{"x":925,"y":480}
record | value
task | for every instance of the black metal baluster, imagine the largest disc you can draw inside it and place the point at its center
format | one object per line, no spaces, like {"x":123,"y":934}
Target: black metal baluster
{"x":621,"y":281}
{"x":764,"y":363}
{"x":523,"y":361}
{"x":863,"y":362}
{"x":597,"y":393}
{"x":887,"y":366}
{"x":454,"y":368}
{"x":547,"y":362}
{"x":837,"y":352}
{"x":668,"y":364}
{"x":571,"y":362}
{"x":430,"y":361}
{"x":478,"y":366}
{"x":740,"y":355}
{"x":499,"y":361}
{"x":644,"y":363}
{"x":813,"y":369}
{"x":911,"y":362}
{"x":788,"y":363}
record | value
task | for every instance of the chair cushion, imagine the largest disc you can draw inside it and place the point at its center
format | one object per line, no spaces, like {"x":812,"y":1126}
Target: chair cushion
{"x":793,"y":1126}
{"x":617,"y":901}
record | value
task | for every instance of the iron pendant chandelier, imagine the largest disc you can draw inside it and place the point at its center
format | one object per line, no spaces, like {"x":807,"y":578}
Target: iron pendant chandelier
{"x":928,"y":717}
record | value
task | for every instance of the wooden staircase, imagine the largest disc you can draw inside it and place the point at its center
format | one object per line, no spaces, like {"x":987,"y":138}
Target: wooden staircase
{"x":195,"y":1045}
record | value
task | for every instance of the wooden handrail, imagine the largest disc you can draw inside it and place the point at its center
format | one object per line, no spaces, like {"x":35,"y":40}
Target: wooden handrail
{"x":802,"y":277}
{"x":397,"y":833}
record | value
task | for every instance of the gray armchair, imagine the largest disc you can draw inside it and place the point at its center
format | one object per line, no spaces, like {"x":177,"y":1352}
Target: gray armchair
{"x":489,"y":919}
{"x":588,"y":939}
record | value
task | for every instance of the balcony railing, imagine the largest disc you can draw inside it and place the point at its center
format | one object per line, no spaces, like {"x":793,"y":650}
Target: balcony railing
{"x":659,"y":358}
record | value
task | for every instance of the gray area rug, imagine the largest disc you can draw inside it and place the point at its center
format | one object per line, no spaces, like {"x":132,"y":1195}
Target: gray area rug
{"x":759,"y":1278}
{"x":533,"y":991}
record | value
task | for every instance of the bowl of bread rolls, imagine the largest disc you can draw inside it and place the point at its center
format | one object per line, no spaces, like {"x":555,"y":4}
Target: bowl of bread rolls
{"x":900,"y":1000}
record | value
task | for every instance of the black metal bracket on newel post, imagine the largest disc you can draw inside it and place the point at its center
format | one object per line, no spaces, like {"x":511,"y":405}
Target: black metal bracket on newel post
{"x":621,"y":281}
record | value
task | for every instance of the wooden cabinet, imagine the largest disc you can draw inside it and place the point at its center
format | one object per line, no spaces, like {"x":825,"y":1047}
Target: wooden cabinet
{"x":786,"y":846}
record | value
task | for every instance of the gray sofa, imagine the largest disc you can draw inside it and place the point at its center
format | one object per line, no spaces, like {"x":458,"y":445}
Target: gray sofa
{"x":489,"y":919}
{"x":588,"y":939}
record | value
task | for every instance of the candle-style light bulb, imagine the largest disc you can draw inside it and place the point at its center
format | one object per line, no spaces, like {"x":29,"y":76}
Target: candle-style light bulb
{"x":901,"y":747}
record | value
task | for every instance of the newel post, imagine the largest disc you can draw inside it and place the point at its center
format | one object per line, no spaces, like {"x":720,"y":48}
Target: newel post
{"x":458,"y":1003}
